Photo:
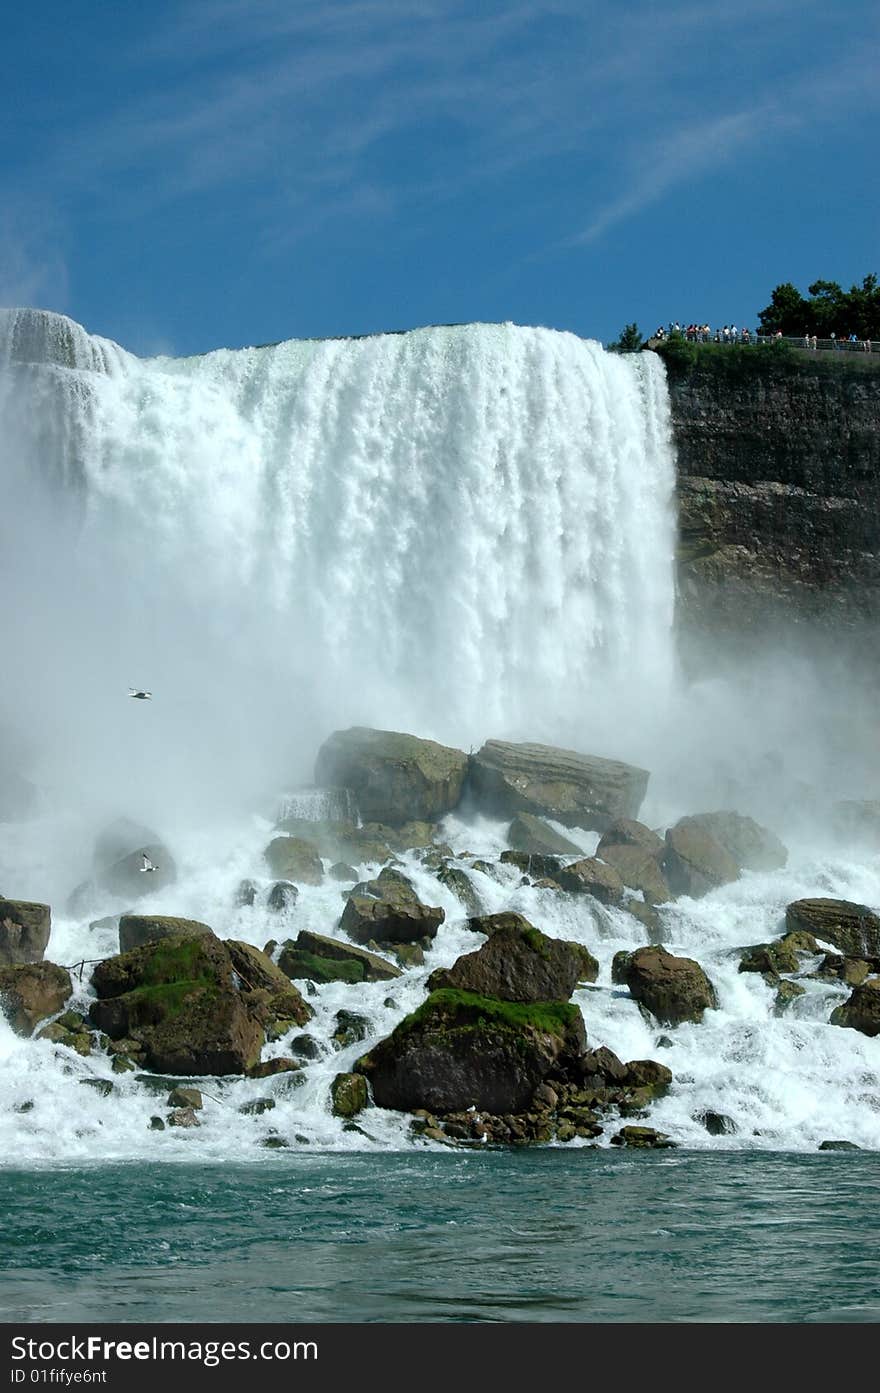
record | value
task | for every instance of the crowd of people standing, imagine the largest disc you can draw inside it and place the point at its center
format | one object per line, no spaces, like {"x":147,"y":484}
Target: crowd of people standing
{"x":730,"y":333}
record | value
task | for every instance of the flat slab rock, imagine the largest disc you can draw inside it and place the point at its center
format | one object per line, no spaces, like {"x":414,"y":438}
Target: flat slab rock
{"x":396,"y":778}
{"x":578,"y":790}
{"x":24,"y":931}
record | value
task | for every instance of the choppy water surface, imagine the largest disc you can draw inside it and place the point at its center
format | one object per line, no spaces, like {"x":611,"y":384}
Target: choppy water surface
{"x":531,"y":1236}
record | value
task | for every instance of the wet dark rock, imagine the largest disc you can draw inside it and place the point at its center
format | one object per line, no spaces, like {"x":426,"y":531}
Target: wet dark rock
{"x":638,"y":868}
{"x":342,"y":872}
{"x":519,"y":964}
{"x":31,"y":992}
{"x":577,"y":790}
{"x":531,"y":834}
{"x":862,"y":1010}
{"x":246,"y":893}
{"x":396,"y":916}
{"x":694,"y":861}
{"x":282,"y":897}
{"x":459,"y":1049}
{"x":351,"y":1027}
{"x":533,"y":864}
{"x":321,"y":959}
{"x":295,"y":859}
{"x":157,"y":1124}
{"x":179,"y":1000}
{"x":460,"y":885}
{"x":853,"y":929}
{"x":24,"y":931}
{"x":591,"y":877}
{"x":838,"y":1146}
{"x":306,"y":1046}
{"x":183,"y":1117}
{"x":257,"y":1107}
{"x":625,"y":831}
{"x":396,"y":778}
{"x":137,"y":929}
{"x":717,"y":1124}
{"x":835,"y":968}
{"x":644,"y":1138}
{"x":672,"y":989}
{"x":349,"y":1095}
{"x":185,"y":1098}
{"x":786,"y":993}
{"x":268,"y":1068}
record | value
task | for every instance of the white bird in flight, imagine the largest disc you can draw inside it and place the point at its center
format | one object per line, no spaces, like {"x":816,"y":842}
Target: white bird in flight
{"x":148,"y":865}
{"x":140,"y":696}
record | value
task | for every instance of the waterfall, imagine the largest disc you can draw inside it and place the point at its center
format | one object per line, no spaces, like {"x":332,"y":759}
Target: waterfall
{"x":462,"y":530}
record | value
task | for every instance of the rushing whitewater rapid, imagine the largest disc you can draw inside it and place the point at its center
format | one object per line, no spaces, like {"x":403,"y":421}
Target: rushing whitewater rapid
{"x":462,"y":532}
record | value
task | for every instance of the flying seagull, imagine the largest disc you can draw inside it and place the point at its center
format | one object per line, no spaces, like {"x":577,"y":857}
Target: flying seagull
{"x":140,"y":696}
{"x":148,"y":865}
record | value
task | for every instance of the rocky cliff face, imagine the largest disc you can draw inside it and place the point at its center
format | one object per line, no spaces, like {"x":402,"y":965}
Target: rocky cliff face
{"x":779,"y":494}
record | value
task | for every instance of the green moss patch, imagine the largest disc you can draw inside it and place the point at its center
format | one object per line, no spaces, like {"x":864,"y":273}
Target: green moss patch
{"x":469,"y":1009}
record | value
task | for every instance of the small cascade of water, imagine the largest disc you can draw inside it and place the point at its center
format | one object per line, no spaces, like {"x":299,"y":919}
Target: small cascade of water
{"x":319,"y":805}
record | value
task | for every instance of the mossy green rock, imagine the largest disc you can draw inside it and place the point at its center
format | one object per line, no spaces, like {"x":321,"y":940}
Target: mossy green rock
{"x":349,"y":1095}
{"x":460,"y":1050}
{"x":396,"y":778}
{"x":179,"y":1000}
{"x":318,"y":958}
{"x":519,"y":963}
{"x":272,"y":997}
{"x":138,"y":929}
{"x":295,"y":859}
{"x":30,"y":992}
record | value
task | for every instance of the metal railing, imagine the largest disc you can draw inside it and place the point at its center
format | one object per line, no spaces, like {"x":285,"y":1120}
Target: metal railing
{"x":807,"y":343}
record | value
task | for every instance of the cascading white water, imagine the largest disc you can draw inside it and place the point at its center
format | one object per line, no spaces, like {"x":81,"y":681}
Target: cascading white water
{"x":464,"y":532}
{"x":440,"y":527}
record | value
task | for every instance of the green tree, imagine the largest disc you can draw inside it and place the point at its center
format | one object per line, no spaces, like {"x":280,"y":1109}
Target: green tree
{"x":829,"y":310}
{"x":630,"y":341}
{"x":787,"y":309}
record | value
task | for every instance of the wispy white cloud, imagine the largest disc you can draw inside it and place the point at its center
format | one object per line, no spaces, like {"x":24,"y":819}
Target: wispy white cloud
{"x":298,"y":107}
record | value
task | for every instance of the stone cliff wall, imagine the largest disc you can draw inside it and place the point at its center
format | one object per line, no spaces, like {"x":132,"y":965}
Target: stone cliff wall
{"x":779,"y":494}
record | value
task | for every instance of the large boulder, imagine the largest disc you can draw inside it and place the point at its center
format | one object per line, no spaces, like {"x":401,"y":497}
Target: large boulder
{"x":366,"y":919}
{"x":751,"y":846}
{"x":532,"y":834}
{"x":179,"y":1000}
{"x":672,"y":989}
{"x":638,"y":868}
{"x":295,"y":859}
{"x":535,"y":864}
{"x":461,"y":1050}
{"x":30,"y":992}
{"x":281,"y":1002}
{"x":862,"y":1010}
{"x":315,"y":958}
{"x":388,"y":910}
{"x":694,"y":862}
{"x":24,"y":931}
{"x":577,"y":790}
{"x":137,"y":929}
{"x":459,"y":883}
{"x":625,"y":831}
{"x":591,"y":877}
{"x":519,"y":963}
{"x":396,"y":778}
{"x":852,"y":928}
{"x":118,"y":860}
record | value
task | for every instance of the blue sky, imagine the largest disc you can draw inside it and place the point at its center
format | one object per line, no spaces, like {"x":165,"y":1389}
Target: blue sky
{"x":180,"y":176}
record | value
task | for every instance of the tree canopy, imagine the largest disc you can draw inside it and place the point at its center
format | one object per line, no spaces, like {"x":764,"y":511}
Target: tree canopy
{"x":829,"y":310}
{"x":630,"y":341}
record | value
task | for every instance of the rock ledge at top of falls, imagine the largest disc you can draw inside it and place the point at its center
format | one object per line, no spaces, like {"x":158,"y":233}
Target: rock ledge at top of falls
{"x":396,"y":778}
{"x":578,"y":790}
